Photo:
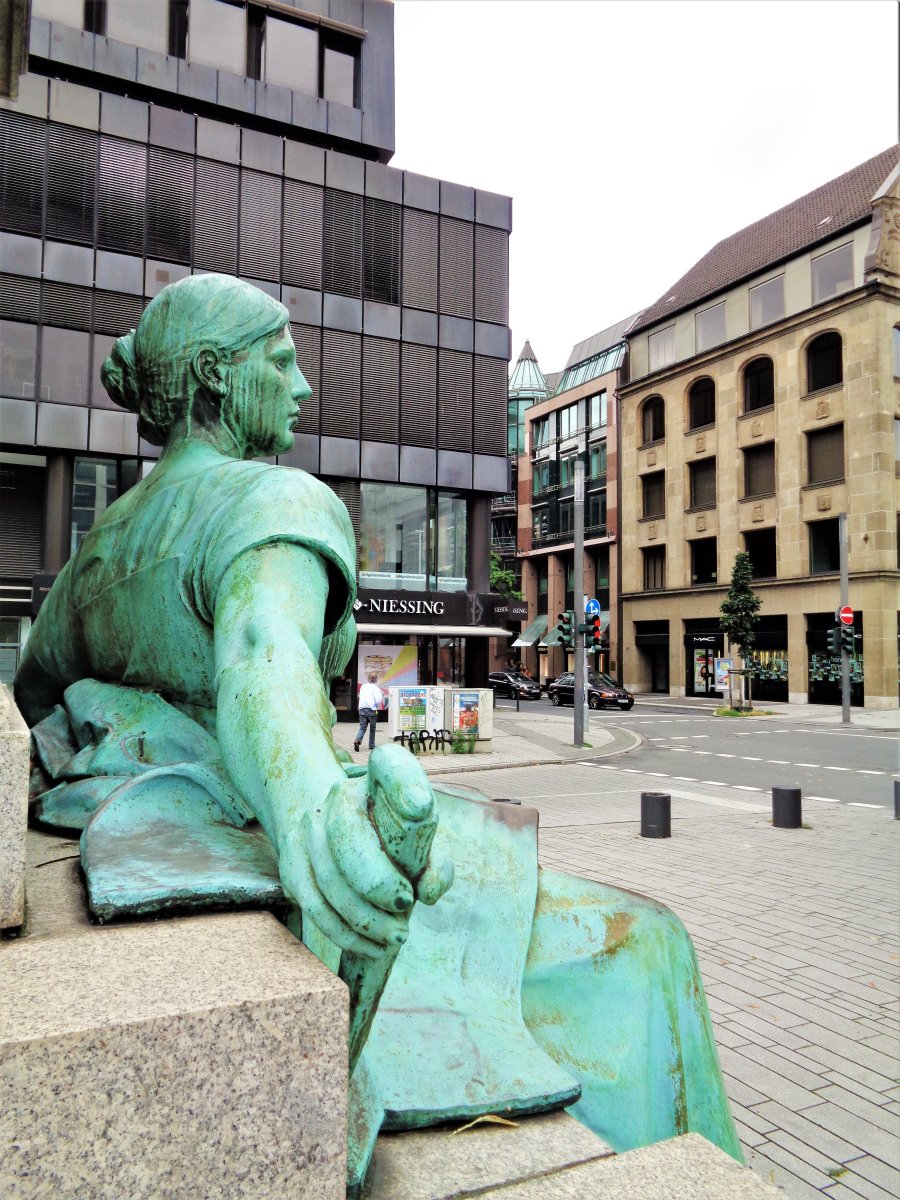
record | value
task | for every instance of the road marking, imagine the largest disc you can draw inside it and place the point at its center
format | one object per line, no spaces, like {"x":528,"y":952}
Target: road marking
{"x":824,"y":799}
{"x":656,"y":739}
{"x":726,"y":756}
{"x":701,"y":735}
{"x":719,"y":783}
{"x":813,"y":765}
{"x":657,"y":774}
{"x":863,"y":772}
{"x":836,"y":768}
{"x":859,"y":804}
{"x":685,"y":778}
{"x":681,"y":737}
{"x":708,"y":753}
{"x":750,"y":758}
{"x":779,"y":762}
{"x":745,"y":787}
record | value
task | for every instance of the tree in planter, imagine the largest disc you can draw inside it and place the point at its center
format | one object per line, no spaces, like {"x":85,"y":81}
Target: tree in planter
{"x":740,"y":613}
{"x":503,"y":580}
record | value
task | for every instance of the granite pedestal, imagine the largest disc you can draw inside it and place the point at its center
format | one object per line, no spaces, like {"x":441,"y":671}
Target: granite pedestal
{"x":14,"y":755}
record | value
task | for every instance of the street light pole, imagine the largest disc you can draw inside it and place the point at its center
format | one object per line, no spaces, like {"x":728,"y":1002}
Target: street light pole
{"x":579,"y":601}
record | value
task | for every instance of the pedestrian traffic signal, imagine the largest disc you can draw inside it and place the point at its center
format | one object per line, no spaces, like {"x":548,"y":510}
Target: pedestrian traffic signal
{"x":848,"y":638}
{"x":834,"y":640}
{"x":566,"y":627}
{"x":594,"y":639}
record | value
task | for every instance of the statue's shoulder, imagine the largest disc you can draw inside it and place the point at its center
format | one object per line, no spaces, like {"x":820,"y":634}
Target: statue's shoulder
{"x":297,"y":489}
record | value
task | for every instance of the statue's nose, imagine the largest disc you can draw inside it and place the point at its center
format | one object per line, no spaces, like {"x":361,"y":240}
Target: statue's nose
{"x":301,"y":389}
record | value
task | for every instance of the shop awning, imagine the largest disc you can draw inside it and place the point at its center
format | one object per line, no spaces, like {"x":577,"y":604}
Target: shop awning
{"x":532,"y":632}
{"x":551,"y":637}
{"x":440,"y":630}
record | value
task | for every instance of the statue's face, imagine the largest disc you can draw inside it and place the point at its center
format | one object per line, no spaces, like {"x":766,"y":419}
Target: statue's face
{"x":267,"y":390}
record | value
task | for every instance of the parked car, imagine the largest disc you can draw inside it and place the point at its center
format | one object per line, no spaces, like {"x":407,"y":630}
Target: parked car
{"x":512,"y":683}
{"x":603,"y":692}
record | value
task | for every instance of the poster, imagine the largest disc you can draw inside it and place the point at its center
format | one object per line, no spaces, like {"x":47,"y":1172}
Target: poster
{"x":701,"y":670}
{"x":723,"y":666}
{"x":465,"y":712}
{"x":392,"y":666}
{"x":434,"y":717}
{"x":411,"y":708}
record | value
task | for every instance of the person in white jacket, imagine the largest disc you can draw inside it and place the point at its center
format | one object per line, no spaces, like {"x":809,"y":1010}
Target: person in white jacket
{"x":371,"y":699}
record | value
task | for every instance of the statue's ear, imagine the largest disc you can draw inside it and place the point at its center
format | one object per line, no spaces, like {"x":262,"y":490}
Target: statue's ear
{"x":212,"y":372}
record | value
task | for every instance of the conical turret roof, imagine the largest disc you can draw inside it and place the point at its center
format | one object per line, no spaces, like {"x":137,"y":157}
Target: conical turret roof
{"x":527,"y":380}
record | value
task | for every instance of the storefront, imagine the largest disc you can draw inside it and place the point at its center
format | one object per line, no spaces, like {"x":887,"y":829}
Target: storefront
{"x":825,"y":667}
{"x":703,"y":644}
{"x":769,"y":660}
{"x":408,"y":638}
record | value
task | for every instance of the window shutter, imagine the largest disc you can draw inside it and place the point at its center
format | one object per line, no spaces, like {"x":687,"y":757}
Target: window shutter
{"x":121,"y":195}
{"x":381,"y":390}
{"x":381,"y":251}
{"x":308,"y":344}
{"x":342,"y":243}
{"x":260,"y":246}
{"x":303,"y":205}
{"x":71,"y":181}
{"x":67,"y":305}
{"x":826,"y":454}
{"x":216,"y":217}
{"x":339,"y":405}
{"x":454,"y":400}
{"x":420,"y":259}
{"x":456,"y":267}
{"x":116,"y":313}
{"x":21,"y":519}
{"x":20,"y":298}
{"x":170,"y":205}
{"x":22,"y":141}
{"x":489,"y":407}
{"x":418,"y":395}
{"x":491,"y":275}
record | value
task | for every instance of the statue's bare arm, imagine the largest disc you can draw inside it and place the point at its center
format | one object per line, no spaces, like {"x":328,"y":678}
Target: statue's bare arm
{"x":274,"y":728}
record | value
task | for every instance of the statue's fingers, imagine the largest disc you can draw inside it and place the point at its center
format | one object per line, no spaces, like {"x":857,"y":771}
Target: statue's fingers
{"x":368,"y":870}
{"x":436,"y":879}
{"x":303,"y":888}
{"x":366,"y":918}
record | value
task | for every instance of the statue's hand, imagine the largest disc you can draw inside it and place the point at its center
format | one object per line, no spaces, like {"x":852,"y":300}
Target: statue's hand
{"x":363,"y":856}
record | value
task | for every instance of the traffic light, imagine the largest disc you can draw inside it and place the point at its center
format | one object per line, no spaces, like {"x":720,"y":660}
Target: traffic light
{"x":834,"y":640}
{"x":848,"y":639}
{"x":566,"y":627}
{"x":594,"y":639}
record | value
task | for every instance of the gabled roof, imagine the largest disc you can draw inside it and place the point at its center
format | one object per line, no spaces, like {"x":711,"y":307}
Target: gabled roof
{"x":527,"y":380}
{"x":816,"y":217}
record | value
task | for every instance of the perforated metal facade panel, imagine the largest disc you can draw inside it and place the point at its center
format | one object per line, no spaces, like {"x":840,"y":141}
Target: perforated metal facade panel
{"x":121,"y":196}
{"x":456,"y":267}
{"x":260,"y":245}
{"x":302,"y":261}
{"x":342,"y":243}
{"x":418,"y":395}
{"x":454,"y":400}
{"x":381,"y":390}
{"x":308,"y":344}
{"x":66,"y":305}
{"x":340,"y":393}
{"x":22,"y":141}
{"x":216,"y":216}
{"x":20,"y":299}
{"x":420,"y":259}
{"x":491,"y":275}
{"x":21,"y":519}
{"x":71,"y":182}
{"x":381,"y":251}
{"x":490,"y":405}
{"x":170,"y":205}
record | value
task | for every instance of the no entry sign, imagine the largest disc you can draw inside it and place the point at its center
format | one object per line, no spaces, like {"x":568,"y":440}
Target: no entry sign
{"x":845,"y":615}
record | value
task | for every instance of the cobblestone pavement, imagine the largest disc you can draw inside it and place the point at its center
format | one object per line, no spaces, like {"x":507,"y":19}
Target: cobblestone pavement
{"x":797,"y":936}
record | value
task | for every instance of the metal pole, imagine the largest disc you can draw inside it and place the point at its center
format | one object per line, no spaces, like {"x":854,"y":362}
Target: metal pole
{"x":578,"y":698}
{"x":845,"y":600}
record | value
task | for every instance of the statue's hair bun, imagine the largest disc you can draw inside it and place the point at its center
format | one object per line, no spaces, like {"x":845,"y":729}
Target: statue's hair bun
{"x":119,"y":374}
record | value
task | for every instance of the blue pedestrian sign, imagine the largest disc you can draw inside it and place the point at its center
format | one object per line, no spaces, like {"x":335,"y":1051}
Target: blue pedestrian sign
{"x":592,"y":608}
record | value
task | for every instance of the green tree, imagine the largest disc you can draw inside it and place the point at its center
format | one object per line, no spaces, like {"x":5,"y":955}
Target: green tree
{"x":503,"y":580}
{"x":740,"y":612}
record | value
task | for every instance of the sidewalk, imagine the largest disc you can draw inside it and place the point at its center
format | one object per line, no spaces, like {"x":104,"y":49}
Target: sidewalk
{"x":807,"y":714}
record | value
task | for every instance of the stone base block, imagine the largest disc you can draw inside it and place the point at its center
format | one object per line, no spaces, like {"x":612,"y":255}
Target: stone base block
{"x":14,"y":761}
{"x":196,"y":1057}
{"x":554,"y":1158}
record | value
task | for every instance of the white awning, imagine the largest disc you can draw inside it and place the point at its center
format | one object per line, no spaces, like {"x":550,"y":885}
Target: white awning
{"x":440,"y":630}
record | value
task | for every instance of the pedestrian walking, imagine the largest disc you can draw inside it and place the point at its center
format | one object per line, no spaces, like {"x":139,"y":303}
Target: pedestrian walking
{"x":371,"y":698}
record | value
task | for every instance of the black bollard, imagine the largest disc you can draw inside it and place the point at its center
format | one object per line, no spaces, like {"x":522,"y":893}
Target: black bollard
{"x":786,"y":808}
{"x":656,"y":815}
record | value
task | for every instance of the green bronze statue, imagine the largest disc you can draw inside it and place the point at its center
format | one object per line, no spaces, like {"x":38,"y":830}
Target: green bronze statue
{"x":176,"y":682}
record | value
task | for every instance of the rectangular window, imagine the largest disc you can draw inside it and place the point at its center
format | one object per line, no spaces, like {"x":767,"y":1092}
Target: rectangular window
{"x":598,"y":408}
{"x":759,"y":470}
{"x":824,"y":546}
{"x":825,"y":455}
{"x":94,"y":487}
{"x":18,"y":358}
{"x":760,"y":544}
{"x":540,"y":478}
{"x":540,"y":433}
{"x":95,"y":17}
{"x":767,"y":302}
{"x":597,"y":463}
{"x":704,"y":566}
{"x":654,"y":568}
{"x":566,"y":520}
{"x":540,"y":526}
{"x":653,"y":489}
{"x":218,"y":30}
{"x":711,"y":327}
{"x":568,"y":421}
{"x":832,"y":273}
{"x":451,"y":542}
{"x":393,"y":537}
{"x":703,"y":483}
{"x":340,"y":67}
{"x":178,"y":28}
{"x":662,"y":347}
{"x":567,"y":470}
{"x":595,"y":517}
{"x":290,"y":55}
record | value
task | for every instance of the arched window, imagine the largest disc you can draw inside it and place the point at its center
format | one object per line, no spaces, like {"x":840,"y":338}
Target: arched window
{"x":824,"y":362}
{"x":701,"y":404}
{"x":759,"y":384}
{"x":653,"y":420}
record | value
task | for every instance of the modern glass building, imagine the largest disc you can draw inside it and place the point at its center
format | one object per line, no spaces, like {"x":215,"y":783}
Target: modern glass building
{"x":151,"y":139}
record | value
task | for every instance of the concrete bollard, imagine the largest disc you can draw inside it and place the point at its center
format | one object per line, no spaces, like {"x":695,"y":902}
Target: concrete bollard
{"x":656,"y":815}
{"x":786,"y":808}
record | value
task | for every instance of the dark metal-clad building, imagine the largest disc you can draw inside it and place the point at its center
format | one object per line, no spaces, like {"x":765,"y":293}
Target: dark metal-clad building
{"x":152,"y":138}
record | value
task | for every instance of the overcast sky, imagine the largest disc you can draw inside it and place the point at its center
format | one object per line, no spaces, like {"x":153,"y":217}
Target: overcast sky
{"x":634,"y":135}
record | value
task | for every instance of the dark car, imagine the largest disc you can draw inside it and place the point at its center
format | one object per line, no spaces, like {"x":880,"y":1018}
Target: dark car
{"x":603,"y":692}
{"x":511,"y":683}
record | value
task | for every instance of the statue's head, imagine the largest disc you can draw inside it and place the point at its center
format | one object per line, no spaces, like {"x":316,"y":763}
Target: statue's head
{"x":210,"y":352}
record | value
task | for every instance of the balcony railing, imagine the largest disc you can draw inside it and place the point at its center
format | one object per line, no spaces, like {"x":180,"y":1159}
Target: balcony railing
{"x":507,"y":500}
{"x":503,"y":545}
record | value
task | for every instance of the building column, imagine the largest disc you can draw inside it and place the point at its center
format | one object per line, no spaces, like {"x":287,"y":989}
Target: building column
{"x":557,"y":659}
{"x":57,"y":512}
{"x":798,"y":659}
{"x":478,"y":543}
{"x":880,"y":644}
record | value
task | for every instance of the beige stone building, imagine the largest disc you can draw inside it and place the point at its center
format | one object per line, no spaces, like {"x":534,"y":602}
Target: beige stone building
{"x":764,"y":401}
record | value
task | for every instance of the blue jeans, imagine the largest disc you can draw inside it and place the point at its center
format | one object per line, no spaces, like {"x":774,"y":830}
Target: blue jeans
{"x":368,"y":717}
